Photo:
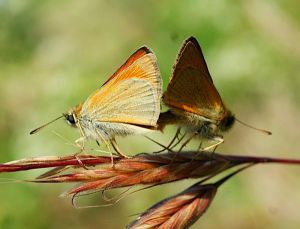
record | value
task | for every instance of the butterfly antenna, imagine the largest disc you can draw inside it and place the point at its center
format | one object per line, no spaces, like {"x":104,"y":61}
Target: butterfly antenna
{"x":252,"y":127}
{"x":41,"y":127}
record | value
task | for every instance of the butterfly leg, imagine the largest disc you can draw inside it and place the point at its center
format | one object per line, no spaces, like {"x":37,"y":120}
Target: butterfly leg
{"x":82,"y":145}
{"x":156,"y":142}
{"x":80,"y":142}
{"x":60,"y":169}
{"x":199,"y":151}
{"x":168,"y":147}
{"x":176,"y":136}
{"x":218,"y":139}
{"x":179,"y":140}
{"x":184,"y":145}
{"x":187,"y":141}
{"x":98,"y":143}
{"x":107,"y":145}
{"x":116,"y":148}
{"x":200,"y":146}
{"x":81,"y":139}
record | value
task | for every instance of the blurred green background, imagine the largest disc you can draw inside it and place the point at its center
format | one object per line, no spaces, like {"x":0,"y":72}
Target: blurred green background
{"x":53,"y":54}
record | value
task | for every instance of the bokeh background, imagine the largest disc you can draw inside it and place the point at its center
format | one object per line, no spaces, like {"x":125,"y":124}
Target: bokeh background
{"x":53,"y":54}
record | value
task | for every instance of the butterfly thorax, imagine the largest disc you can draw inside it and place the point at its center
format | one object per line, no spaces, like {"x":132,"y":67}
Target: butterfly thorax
{"x":189,"y":119}
{"x":210,"y":129}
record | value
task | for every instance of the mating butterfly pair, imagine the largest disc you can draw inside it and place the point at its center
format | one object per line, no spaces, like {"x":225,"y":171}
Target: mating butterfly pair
{"x":128,"y":103}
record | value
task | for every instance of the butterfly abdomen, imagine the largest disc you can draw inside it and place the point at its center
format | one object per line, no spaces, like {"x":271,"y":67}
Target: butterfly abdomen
{"x":166,"y":118}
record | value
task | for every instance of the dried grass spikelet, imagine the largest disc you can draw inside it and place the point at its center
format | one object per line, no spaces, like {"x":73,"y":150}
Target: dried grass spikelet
{"x":178,"y":211}
{"x":183,"y":209}
{"x":143,"y":169}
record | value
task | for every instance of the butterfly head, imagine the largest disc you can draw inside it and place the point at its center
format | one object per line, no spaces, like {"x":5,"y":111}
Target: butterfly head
{"x":70,"y":118}
{"x":72,"y":115}
{"x":227,"y":122}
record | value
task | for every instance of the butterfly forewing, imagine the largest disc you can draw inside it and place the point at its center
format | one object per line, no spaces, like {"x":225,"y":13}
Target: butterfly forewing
{"x":132,"y":96}
{"x":190,"y":55}
{"x":191,"y":88}
{"x":143,"y":59}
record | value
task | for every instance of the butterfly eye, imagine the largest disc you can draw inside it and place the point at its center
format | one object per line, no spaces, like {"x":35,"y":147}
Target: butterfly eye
{"x":227,"y":122}
{"x":70,"y":119}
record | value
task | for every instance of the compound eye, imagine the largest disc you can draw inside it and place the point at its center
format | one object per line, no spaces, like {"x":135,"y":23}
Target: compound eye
{"x":70,"y":119}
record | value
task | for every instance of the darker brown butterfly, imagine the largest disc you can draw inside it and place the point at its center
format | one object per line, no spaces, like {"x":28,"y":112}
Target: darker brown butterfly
{"x":193,"y":99}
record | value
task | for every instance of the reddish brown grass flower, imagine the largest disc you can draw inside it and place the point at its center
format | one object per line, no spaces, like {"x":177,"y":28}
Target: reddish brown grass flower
{"x":183,"y":209}
{"x":145,"y":169}
{"x":178,"y":211}
{"x":96,"y":173}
